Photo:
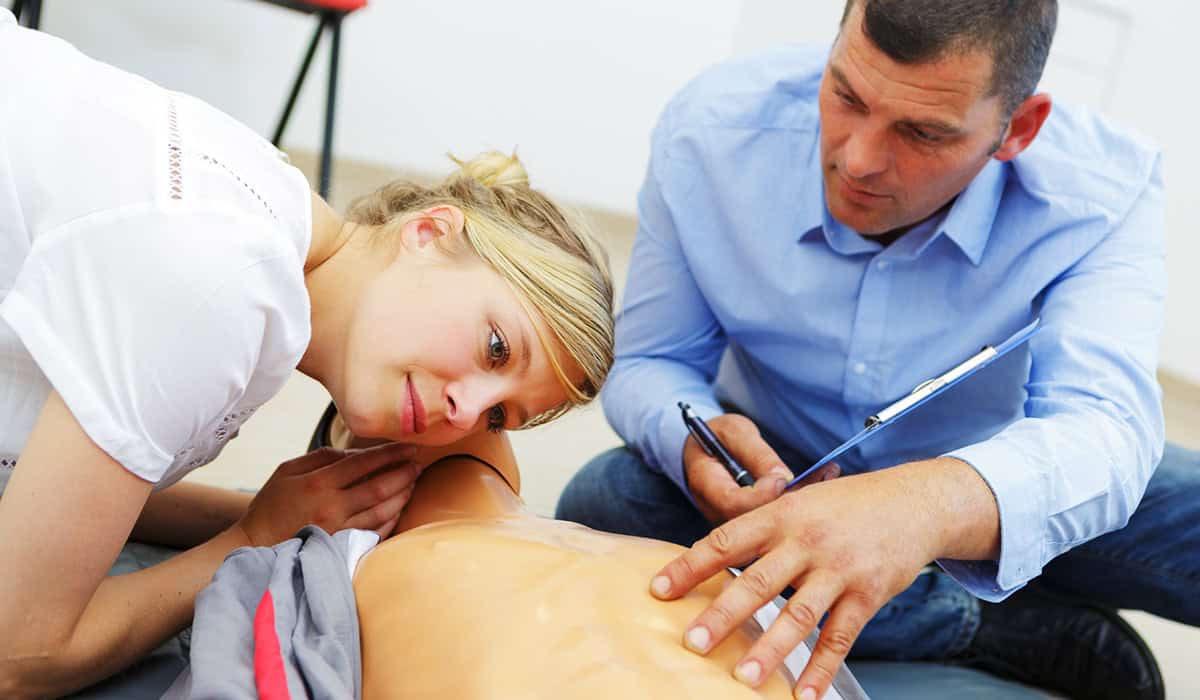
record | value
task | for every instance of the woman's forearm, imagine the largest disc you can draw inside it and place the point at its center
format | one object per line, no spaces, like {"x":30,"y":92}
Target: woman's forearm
{"x":188,"y":514}
{"x":128,"y":617}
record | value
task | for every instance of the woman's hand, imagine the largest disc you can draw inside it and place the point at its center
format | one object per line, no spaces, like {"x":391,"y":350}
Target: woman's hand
{"x":334,"y":489}
{"x":847,"y":546}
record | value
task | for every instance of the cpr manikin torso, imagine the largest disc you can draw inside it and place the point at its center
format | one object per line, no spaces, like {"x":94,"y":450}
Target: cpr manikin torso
{"x":478,"y":599}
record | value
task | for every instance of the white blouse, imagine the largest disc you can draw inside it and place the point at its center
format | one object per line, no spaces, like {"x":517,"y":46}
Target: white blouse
{"x":151,"y":260}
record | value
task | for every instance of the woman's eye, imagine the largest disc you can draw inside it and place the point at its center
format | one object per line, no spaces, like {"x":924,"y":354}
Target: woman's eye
{"x":496,"y":418}
{"x":497,"y":348}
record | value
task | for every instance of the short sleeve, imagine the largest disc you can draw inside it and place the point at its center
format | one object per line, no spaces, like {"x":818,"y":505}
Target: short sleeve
{"x":150,"y":321}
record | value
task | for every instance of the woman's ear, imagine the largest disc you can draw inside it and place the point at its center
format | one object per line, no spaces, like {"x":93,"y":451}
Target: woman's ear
{"x":431,"y":224}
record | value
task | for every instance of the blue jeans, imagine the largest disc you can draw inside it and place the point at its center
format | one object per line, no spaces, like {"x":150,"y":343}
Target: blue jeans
{"x":1151,"y":564}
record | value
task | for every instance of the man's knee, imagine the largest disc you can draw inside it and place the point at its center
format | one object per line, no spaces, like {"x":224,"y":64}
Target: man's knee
{"x":608,"y":486}
{"x":1179,"y":466}
{"x":617,"y":492}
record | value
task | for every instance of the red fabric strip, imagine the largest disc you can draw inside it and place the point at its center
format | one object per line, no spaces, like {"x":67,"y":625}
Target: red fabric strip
{"x":269,"y":675}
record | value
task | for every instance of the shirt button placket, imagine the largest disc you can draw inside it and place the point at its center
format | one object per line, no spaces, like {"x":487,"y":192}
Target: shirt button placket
{"x":867,"y":335}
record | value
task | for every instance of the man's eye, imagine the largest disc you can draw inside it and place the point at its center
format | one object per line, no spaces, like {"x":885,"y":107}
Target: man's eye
{"x":923,"y":136}
{"x":496,"y":418}
{"x":497,"y":349}
{"x":846,"y":99}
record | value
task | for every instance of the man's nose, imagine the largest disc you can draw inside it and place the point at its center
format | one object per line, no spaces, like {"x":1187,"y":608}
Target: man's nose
{"x":865,"y":153}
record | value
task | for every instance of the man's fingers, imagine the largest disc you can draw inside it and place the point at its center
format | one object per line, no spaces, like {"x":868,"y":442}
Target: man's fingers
{"x":733,"y":543}
{"x":845,"y":623}
{"x":796,"y":621}
{"x":747,"y":593}
{"x":714,"y":489}
{"x":749,"y":448}
{"x":825,"y":473}
{"x":360,"y":463}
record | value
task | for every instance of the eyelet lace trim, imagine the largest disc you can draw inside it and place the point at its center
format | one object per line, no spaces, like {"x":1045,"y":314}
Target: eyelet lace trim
{"x":209,"y":159}
{"x":174,"y":151}
{"x":225,"y":431}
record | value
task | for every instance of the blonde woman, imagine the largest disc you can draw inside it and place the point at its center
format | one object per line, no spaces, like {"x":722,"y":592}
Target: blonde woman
{"x":162,"y":272}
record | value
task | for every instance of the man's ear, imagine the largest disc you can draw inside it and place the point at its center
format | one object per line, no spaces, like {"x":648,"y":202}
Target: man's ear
{"x":431,"y":224}
{"x":1024,"y":126}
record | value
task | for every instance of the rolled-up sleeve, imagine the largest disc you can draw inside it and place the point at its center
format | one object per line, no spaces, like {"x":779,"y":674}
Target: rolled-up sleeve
{"x":1076,"y":466}
{"x":668,"y":342}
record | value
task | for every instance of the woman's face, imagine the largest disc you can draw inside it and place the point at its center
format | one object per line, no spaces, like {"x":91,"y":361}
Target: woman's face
{"x":441,"y":348}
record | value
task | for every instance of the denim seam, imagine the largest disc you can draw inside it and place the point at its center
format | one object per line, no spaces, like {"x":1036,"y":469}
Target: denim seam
{"x":966,"y":633}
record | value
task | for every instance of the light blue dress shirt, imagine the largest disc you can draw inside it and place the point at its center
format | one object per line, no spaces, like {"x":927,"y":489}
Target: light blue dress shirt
{"x":742,"y":288}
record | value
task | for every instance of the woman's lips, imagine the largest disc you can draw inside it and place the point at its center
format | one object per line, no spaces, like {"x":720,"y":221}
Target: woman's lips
{"x":414,"y":410}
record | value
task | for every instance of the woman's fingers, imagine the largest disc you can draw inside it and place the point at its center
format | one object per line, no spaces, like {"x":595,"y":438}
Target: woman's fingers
{"x":358,"y":464}
{"x":309,"y":462}
{"x":379,"y":514}
{"x":381,"y":486}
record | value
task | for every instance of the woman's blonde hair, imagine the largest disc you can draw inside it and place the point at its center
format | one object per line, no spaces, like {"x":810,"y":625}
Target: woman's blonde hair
{"x":556,"y":267}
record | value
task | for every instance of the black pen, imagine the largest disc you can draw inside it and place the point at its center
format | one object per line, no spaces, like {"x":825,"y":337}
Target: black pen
{"x":710,"y":444}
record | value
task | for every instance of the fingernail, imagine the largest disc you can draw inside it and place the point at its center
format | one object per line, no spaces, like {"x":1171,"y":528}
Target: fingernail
{"x":660,"y":586}
{"x":748,"y":672}
{"x":782,"y":472}
{"x":808,"y":694}
{"x":698,"y":639}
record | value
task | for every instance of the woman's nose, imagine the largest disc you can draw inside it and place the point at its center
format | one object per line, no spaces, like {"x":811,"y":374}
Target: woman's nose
{"x":468,"y":399}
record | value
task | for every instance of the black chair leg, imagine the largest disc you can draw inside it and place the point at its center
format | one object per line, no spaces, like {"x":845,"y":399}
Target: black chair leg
{"x":291,"y":101}
{"x":335,"y":21}
{"x":28,"y":12}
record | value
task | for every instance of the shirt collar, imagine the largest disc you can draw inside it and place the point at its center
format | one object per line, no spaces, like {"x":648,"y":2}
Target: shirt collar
{"x":814,"y":217}
{"x":968,"y":223}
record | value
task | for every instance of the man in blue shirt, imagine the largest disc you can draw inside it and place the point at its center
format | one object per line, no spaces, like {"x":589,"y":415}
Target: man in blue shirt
{"x":822,"y":230}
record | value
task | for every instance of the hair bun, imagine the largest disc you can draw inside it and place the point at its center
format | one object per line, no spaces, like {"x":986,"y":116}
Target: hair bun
{"x":494,"y":169}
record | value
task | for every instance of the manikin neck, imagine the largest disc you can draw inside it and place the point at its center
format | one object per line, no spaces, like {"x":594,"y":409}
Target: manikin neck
{"x":456,"y":488}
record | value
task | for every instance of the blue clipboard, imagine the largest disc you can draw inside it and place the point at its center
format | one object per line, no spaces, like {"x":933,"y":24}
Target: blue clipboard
{"x":924,"y":392}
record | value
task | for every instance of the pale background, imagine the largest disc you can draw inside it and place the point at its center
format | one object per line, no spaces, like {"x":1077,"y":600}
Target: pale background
{"x":576,"y":87}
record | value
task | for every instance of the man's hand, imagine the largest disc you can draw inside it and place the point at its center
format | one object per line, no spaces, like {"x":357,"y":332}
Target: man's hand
{"x":717,"y":495}
{"x":847,"y":546}
{"x":335,"y":489}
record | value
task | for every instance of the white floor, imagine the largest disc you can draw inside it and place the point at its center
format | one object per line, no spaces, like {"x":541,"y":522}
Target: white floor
{"x":550,"y":455}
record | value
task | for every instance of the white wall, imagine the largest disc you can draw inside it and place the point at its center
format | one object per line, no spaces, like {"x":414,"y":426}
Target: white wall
{"x":574,"y":86}
{"x":1125,"y":58}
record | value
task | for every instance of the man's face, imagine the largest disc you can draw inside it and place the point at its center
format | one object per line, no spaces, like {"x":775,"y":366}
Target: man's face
{"x":900,"y":141}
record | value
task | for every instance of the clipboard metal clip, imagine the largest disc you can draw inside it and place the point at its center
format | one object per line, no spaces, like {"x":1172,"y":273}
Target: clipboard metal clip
{"x":925,"y":391}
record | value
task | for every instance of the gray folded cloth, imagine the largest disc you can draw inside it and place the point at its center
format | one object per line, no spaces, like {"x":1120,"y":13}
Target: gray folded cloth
{"x":277,"y":622}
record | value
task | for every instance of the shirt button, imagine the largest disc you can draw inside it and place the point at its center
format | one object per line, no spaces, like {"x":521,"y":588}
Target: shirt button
{"x":859,"y":368}
{"x":882,"y":265}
